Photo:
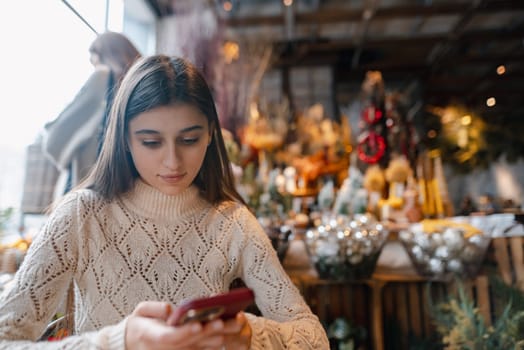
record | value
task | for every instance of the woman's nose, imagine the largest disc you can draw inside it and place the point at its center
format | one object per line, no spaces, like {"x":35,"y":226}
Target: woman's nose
{"x":171,"y":158}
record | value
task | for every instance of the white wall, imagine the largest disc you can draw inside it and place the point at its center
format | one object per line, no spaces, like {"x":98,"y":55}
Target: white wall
{"x":502,"y":180}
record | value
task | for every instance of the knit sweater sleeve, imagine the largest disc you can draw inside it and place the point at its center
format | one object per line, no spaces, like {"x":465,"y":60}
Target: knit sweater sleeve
{"x":287,"y":321}
{"x":41,"y":283}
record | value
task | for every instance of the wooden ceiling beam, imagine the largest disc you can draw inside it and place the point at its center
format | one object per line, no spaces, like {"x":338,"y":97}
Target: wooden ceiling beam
{"x":469,"y":80}
{"x":325,"y":16}
{"x":504,"y":93}
{"x":320,"y":44}
{"x":335,"y":51}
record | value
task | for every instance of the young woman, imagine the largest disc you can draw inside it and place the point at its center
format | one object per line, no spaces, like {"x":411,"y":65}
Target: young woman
{"x":158,"y":221}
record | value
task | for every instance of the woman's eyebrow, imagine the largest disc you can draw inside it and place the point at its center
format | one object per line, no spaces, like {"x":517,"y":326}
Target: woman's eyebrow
{"x":191,"y":128}
{"x":146,"y":132}
{"x":151,"y":131}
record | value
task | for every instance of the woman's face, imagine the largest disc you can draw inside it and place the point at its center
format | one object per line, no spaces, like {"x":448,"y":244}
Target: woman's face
{"x":168,"y":145}
{"x":94,"y":58}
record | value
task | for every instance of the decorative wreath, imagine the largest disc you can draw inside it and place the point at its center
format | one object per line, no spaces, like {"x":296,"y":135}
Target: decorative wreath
{"x":371,"y":114}
{"x":374,"y":142}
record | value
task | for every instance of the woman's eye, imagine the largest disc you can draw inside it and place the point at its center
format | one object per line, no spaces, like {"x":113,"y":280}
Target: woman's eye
{"x":189,"y":141}
{"x":151,"y":143}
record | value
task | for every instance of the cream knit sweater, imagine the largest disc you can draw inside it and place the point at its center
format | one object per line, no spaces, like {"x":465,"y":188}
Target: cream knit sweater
{"x":149,"y":246}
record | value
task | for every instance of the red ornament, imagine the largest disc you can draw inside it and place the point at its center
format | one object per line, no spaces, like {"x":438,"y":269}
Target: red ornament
{"x":371,"y":114}
{"x":373,"y":142}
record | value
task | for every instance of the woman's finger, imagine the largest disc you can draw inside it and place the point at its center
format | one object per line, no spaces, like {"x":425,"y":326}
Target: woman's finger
{"x":153,"y":309}
{"x":235,"y":325}
{"x":241,"y":339}
{"x":211,"y":342}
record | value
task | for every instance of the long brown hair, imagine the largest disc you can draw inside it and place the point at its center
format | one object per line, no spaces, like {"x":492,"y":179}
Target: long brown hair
{"x":153,"y":82}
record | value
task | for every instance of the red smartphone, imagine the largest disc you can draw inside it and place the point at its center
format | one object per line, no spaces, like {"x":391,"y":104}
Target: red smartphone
{"x":225,"y":306}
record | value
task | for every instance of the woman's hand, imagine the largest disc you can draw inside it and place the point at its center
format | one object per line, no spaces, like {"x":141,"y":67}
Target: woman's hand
{"x":147,"y":329}
{"x":237,"y":333}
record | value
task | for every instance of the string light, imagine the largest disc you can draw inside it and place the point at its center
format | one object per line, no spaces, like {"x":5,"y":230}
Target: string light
{"x":501,"y":69}
{"x":466,"y":120}
{"x":231,"y":51}
{"x":227,"y":5}
{"x":490,"y":102}
{"x":447,"y":117}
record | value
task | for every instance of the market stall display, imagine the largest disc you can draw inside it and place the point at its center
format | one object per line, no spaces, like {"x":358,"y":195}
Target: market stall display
{"x":443,"y":248}
{"x":346,"y":248}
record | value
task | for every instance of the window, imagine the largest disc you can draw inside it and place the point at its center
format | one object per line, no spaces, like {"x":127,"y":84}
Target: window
{"x":45,"y":61}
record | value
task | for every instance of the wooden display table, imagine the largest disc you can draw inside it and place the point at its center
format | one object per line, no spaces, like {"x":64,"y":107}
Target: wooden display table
{"x":363,"y":300}
{"x":393,"y":305}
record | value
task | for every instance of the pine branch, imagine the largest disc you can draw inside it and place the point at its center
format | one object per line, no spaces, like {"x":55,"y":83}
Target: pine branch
{"x":461,"y":326}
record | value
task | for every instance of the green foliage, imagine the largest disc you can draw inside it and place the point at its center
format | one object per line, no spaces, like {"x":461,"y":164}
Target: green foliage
{"x":462,"y":327}
{"x":498,"y":139}
{"x":285,"y":200}
{"x":502,"y":292}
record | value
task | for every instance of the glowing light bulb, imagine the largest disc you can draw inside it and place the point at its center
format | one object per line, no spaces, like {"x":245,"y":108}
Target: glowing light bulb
{"x":227,"y":5}
{"x":501,"y":69}
{"x":432,"y":134}
{"x":466,"y":120}
{"x":490,"y":102}
{"x":288,"y":2}
{"x":231,"y":51}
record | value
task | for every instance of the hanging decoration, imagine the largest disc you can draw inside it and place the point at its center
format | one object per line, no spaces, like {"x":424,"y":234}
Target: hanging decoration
{"x":371,"y":114}
{"x":470,"y":140}
{"x":460,"y":137}
{"x":371,"y":147}
{"x":372,"y":143}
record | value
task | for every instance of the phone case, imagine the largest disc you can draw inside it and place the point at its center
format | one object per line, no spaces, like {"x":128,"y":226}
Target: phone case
{"x":225,"y":306}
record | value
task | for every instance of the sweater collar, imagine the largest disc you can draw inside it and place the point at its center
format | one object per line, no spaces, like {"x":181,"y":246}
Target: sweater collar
{"x":148,"y":201}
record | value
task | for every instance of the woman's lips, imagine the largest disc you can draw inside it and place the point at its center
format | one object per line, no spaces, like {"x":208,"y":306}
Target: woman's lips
{"x":172,"y":178}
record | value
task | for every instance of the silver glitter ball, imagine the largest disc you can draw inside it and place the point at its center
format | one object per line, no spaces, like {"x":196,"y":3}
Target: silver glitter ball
{"x":455,"y":265}
{"x":437,"y":239}
{"x":422,"y":241}
{"x":436,"y":266}
{"x":454,"y":239}
{"x":417,"y":252}
{"x":311,"y":234}
{"x":442,"y":252}
{"x":359,"y":234}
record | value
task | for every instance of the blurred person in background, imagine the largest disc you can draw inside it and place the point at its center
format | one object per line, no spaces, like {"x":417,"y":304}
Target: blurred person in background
{"x":467,"y":206}
{"x":488,"y":204}
{"x":72,"y":140}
